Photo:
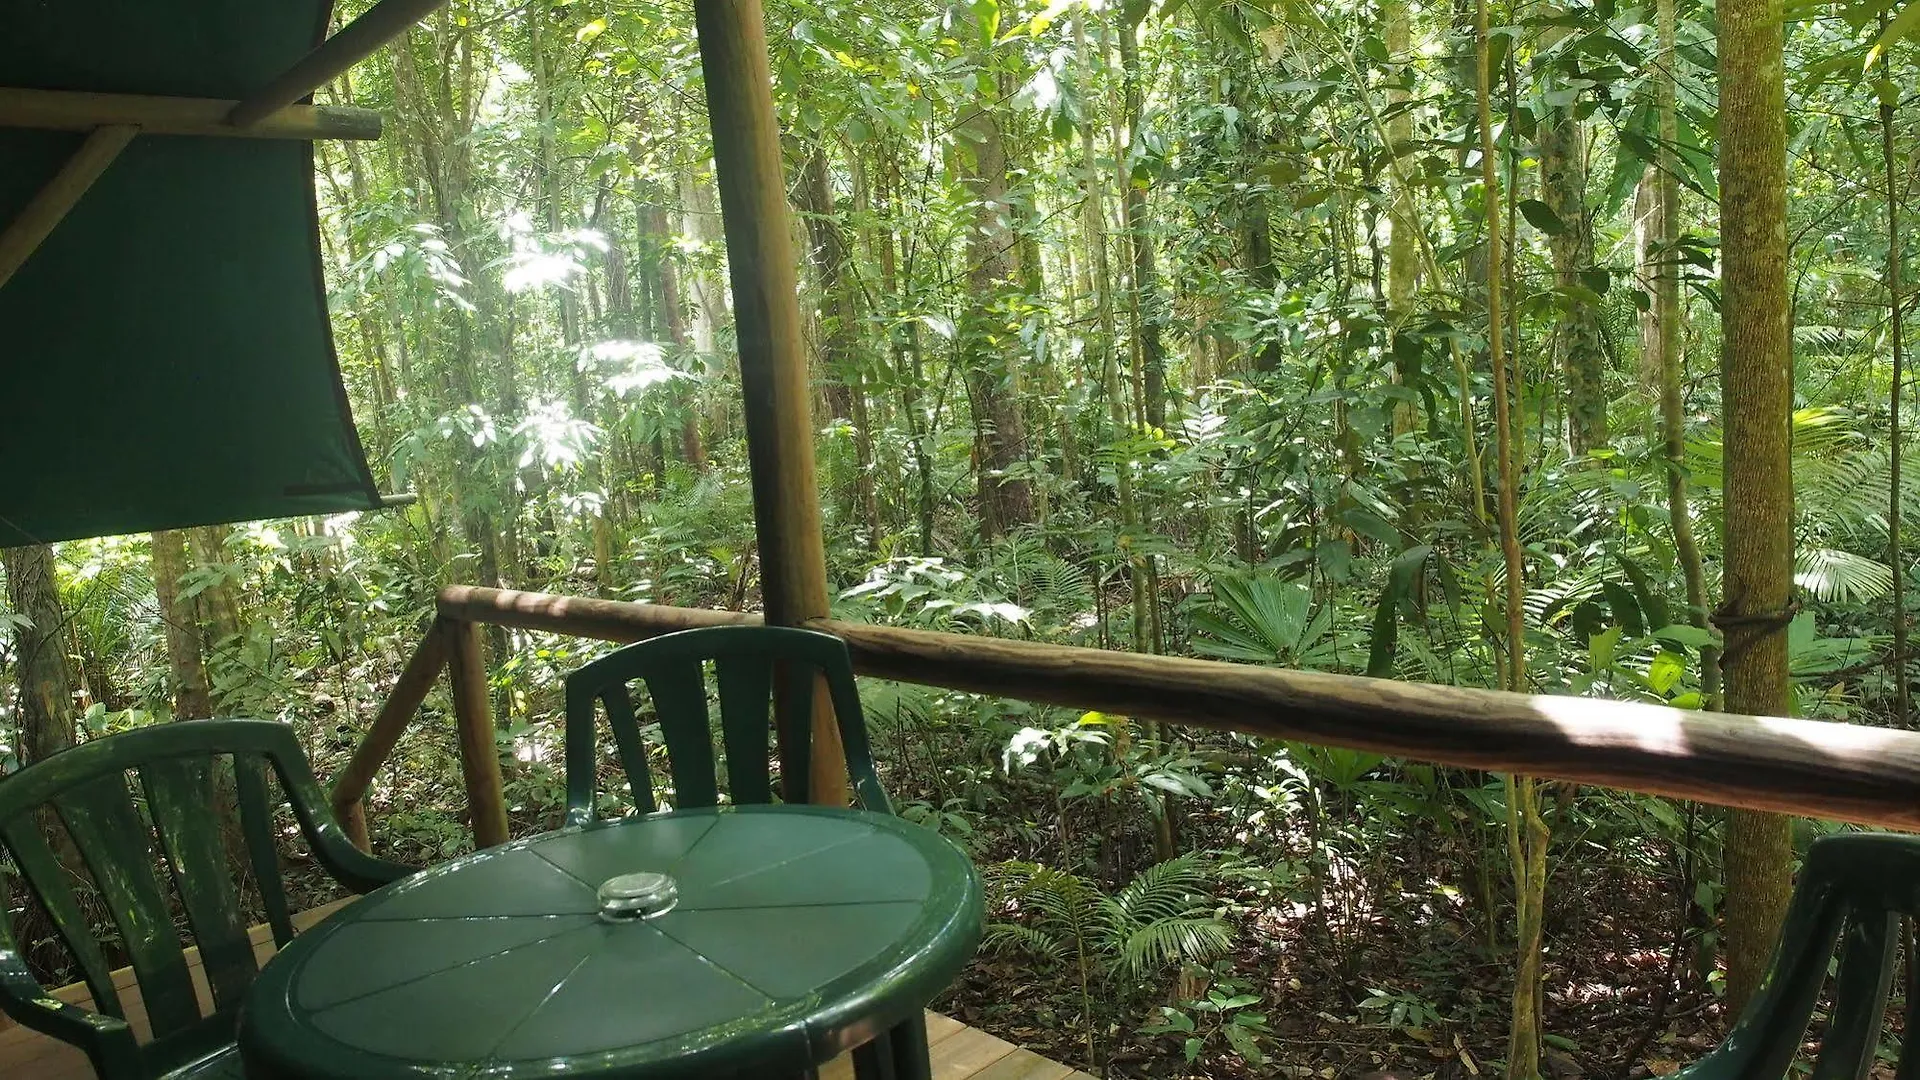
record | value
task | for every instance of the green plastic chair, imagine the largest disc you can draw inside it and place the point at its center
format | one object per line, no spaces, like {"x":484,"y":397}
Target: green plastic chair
{"x":744,"y":659}
{"x":1852,"y":893}
{"x":86,"y":788}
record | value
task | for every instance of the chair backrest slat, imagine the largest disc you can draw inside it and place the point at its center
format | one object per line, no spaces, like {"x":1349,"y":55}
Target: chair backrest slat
{"x":753,"y":666}
{"x":100,"y":817}
{"x":679,"y":690}
{"x":263,"y":855}
{"x":627,"y":742}
{"x":1860,"y":996}
{"x":795,"y":685}
{"x":179,"y":793}
{"x":46,"y":878}
{"x":745,"y":685}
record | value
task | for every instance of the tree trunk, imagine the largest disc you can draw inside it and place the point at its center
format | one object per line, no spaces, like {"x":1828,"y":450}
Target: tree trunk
{"x":42,"y":676}
{"x":1579,"y":341}
{"x":986,"y":343}
{"x":1647,"y":227}
{"x":192,"y":697}
{"x":1527,"y":833}
{"x":1756,"y":386}
{"x":692,"y":449}
{"x":1660,"y":329}
{"x":443,"y":111}
{"x":1403,"y":242}
{"x":1896,"y":332}
{"x":1150,"y":304}
{"x":553,"y":185}
{"x":219,"y":602}
{"x":1093,"y":221}
{"x":839,"y":361}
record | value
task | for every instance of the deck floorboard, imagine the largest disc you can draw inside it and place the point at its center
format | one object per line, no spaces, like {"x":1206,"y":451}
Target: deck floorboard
{"x":959,"y":1052}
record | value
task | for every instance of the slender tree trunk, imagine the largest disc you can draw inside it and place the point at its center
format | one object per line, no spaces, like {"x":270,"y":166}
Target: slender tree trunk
{"x":553,"y":184}
{"x":1579,"y":341}
{"x":992,"y":370}
{"x":1403,"y":242}
{"x":1527,"y":833}
{"x":841,"y":313}
{"x":1149,"y":302}
{"x":1661,"y":330}
{"x":702,"y":224}
{"x":192,"y":699}
{"x":219,"y":602}
{"x":1756,"y":388}
{"x":1896,"y":330}
{"x":442,"y":113}
{"x":904,"y":344}
{"x":692,"y":449}
{"x":1646,"y":256}
{"x":1093,"y":222}
{"x":43,"y":678}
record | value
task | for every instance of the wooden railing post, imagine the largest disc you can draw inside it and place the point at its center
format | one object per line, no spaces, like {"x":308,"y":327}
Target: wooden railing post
{"x":774,"y":381}
{"x":473,"y":715}
{"x":416,"y":679}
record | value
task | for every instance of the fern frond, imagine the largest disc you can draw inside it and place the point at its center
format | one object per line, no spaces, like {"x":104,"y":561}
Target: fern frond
{"x":1002,"y":937}
{"x":1166,"y":942}
{"x":1171,"y":889}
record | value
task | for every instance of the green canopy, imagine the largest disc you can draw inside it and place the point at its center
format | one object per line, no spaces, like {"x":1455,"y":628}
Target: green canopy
{"x":165,"y":354}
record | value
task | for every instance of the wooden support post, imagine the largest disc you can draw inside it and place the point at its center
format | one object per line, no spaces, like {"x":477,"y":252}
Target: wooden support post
{"x":416,"y":680}
{"x":37,"y":219}
{"x":479,"y":757}
{"x":355,"y":42}
{"x":773,"y":366}
{"x":72,"y":110}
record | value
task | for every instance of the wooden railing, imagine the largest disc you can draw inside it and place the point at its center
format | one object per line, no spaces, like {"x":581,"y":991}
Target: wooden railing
{"x":1814,"y":768}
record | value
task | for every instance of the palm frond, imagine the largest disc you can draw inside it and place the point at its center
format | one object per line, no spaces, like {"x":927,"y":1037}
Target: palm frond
{"x":1164,"y":890}
{"x":1834,"y":575}
{"x":1261,"y":619}
{"x":1165,"y":942}
{"x":1005,"y":937}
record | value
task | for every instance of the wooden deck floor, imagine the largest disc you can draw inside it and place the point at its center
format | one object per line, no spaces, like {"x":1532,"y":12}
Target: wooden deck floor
{"x":959,"y":1052}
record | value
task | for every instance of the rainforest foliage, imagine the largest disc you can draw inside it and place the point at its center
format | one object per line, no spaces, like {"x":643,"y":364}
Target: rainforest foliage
{"x":1528,"y":344}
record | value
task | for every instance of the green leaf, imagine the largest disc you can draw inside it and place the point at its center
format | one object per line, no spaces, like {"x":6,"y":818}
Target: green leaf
{"x":1560,"y":1042}
{"x":986,"y":14}
{"x":1686,"y":634}
{"x":1901,"y":26}
{"x":1665,"y":671}
{"x":1386,"y":620}
{"x":1244,"y":1044}
{"x":1626,"y":610}
{"x":1542,"y":217}
{"x":1652,"y":604}
{"x":1600,"y":650}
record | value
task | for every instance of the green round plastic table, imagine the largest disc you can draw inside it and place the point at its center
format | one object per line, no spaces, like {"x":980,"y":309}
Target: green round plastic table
{"x":778,"y":938}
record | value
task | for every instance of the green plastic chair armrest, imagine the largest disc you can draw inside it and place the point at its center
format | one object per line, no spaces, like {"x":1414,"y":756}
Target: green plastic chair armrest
{"x":336,"y":851}
{"x":107,"y":1040}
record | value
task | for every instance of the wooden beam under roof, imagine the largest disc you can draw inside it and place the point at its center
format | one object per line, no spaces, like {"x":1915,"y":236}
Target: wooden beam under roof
{"x":355,"y":42}
{"x":36,"y":221}
{"x":67,"y":110}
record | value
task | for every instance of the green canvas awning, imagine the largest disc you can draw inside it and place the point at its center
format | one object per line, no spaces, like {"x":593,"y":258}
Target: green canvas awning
{"x":165,"y":354}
